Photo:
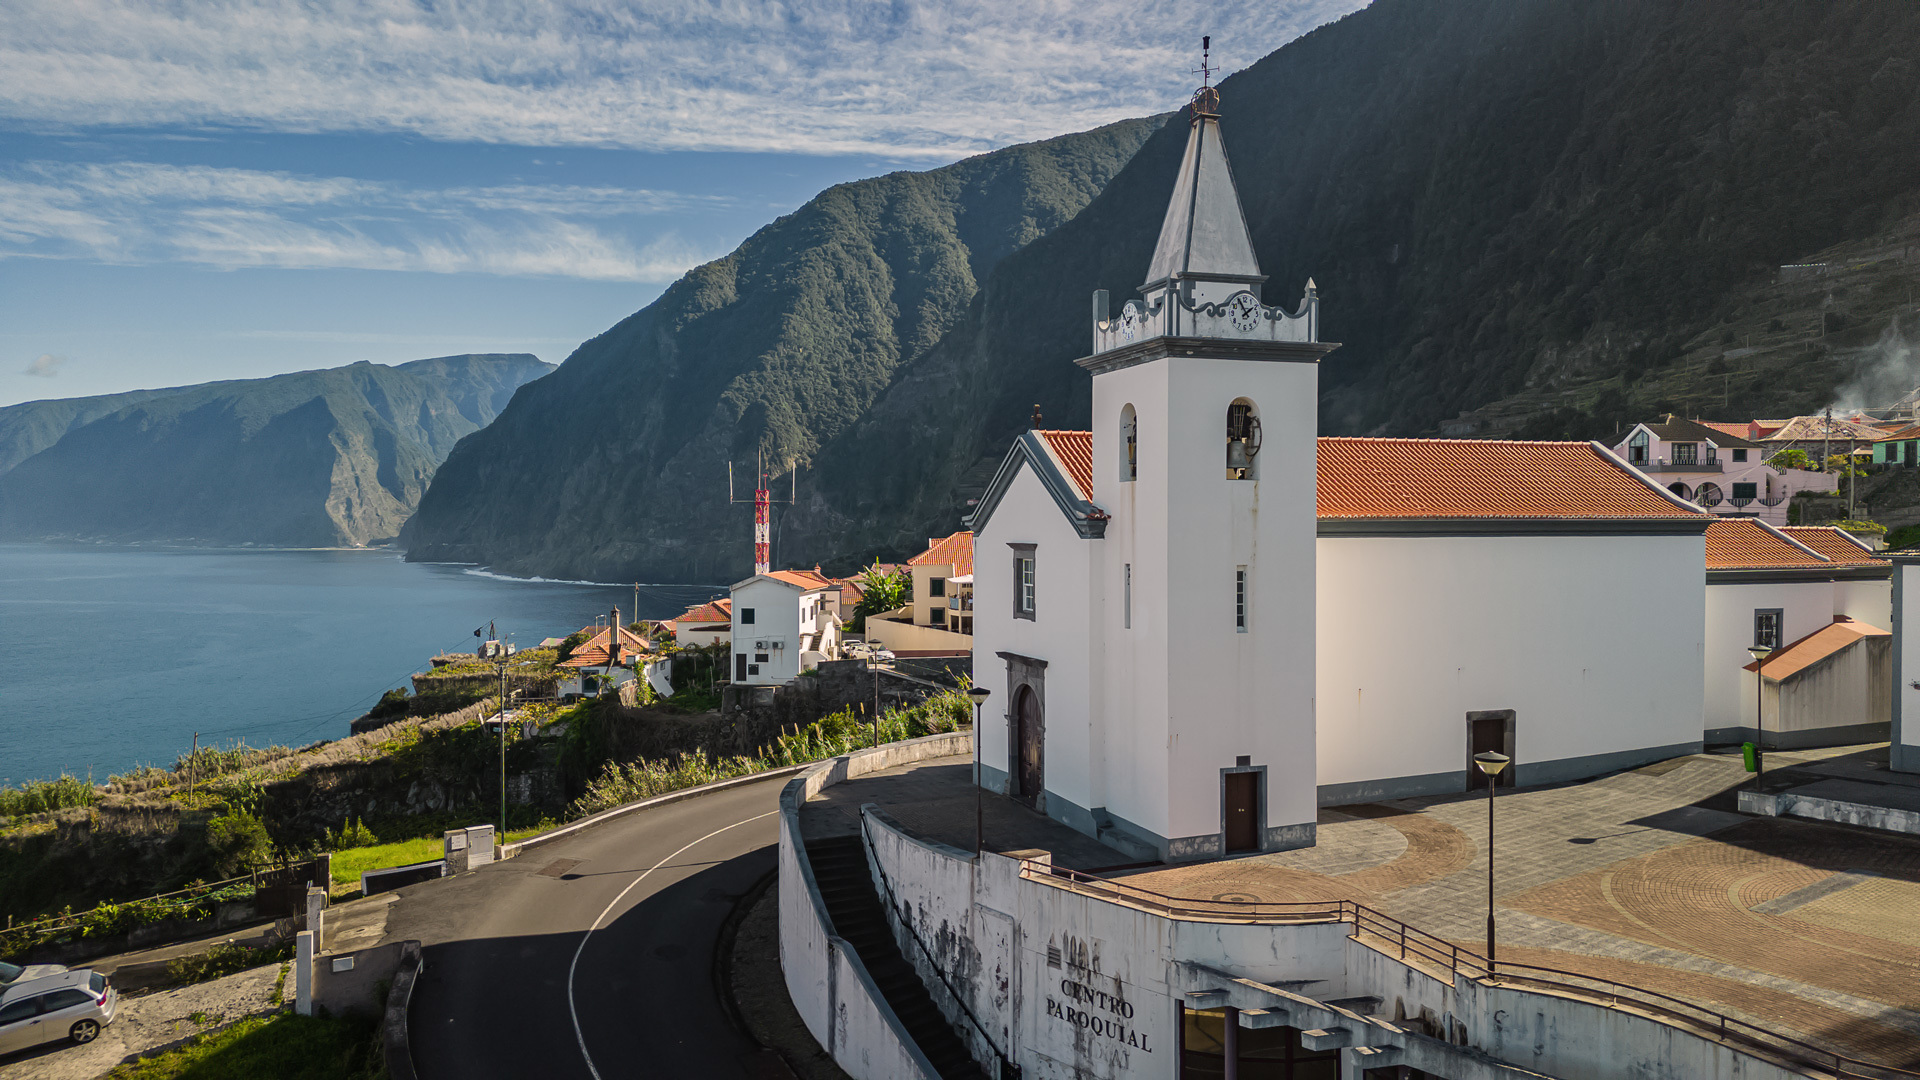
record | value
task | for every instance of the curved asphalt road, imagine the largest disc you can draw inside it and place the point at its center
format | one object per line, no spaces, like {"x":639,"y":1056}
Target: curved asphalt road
{"x":603,"y":969}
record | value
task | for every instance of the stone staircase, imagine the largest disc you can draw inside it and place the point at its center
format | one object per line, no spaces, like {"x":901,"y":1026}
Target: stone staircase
{"x":853,"y":905}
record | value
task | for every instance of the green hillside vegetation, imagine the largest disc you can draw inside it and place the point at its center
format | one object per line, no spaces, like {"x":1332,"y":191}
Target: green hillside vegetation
{"x":779,"y":349}
{"x":311,"y":459}
{"x":1501,"y":202}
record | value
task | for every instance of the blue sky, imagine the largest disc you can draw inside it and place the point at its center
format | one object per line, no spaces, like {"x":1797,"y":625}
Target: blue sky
{"x":207,"y":190}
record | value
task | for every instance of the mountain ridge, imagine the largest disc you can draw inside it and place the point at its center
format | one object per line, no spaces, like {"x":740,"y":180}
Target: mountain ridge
{"x":328,"y":457}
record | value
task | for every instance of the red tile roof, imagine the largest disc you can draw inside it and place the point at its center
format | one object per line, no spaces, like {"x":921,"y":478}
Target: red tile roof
{"x":1482,"y":478}
{"x":1451,"y":478}
{"x":719,"y":611}
{"x":1818,"y":428}
{"x":955,"y":550}
{"x":1742,"y":430}
{"x":806,"y":579}
{"x":1833,"y":543}
{"x":1075,"y":451}
{"x":594,"y":652}
{"x":1815,"y":647}
{"x":1746,"y":544}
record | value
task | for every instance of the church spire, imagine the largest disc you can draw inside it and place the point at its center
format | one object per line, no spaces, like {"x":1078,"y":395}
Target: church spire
{"x":1205,"y":232}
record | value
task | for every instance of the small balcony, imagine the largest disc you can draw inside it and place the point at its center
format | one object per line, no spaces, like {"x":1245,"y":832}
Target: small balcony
{"x":1664,"y":465}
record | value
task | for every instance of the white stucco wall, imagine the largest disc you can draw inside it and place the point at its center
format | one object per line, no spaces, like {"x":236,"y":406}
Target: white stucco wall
{"x":1869,"y":601}
{"x":782,"y":614}
{"x":1805,"y":607}
{"x":1906,"y":666}
{"x":1187,"y":693}
{"x":1063,"y":605}
{"x":1594,"y":641}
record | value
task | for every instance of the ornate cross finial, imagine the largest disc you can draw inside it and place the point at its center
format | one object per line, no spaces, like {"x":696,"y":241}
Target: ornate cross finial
{"x":1206,"y":100}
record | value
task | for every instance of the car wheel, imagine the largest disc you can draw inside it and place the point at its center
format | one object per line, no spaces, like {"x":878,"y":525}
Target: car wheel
{"x":83,"y":1031}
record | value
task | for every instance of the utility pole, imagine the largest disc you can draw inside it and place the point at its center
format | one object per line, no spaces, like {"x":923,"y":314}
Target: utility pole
{"x":193,"y":765}
{"x":1826,"y":443}
{"x":500,"y":663}
{"x":1850,"y":479}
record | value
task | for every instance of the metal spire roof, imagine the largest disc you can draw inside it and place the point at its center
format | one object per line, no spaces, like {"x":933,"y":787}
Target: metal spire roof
{"x":1205,"y":232}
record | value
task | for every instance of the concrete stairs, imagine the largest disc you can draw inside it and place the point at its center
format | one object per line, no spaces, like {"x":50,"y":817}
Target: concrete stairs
{"x":853,"y":904}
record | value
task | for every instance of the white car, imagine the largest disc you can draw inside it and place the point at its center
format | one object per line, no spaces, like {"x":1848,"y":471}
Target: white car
{"x":853,"y":648}
{"x":72,"y":1006}
{"x":13,"y":973}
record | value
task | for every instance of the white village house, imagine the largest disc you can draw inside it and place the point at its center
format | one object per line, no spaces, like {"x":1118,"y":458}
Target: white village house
{"x":783,"y":624}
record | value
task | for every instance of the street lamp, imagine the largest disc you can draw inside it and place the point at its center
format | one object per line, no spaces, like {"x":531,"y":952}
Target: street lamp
{"x":1759,"y":654}
{"x":1490,"y":763}
{"x":979,"y":694}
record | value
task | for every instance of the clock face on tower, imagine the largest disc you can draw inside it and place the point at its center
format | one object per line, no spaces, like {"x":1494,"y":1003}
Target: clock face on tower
{"x":1243,"y":311}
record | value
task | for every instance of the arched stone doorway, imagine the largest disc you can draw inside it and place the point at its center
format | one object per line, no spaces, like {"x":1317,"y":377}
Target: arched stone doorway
{"x":1029,"y":746}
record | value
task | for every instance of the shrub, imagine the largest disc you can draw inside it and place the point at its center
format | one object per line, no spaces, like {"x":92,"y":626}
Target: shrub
{"x":41,"y":796}
{"x":350,"y":836}
{"x":395,"y":702}
{"x":238,"y":840}
{"x":224,"y":959}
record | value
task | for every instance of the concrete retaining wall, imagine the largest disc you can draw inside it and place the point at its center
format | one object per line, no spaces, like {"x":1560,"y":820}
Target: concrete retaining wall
{"x":830,"y":987}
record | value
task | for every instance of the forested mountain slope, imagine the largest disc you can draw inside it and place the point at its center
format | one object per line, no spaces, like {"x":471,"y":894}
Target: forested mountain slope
{"x":617,"y":464}
{"x":315,"y":458}
{"x":1502,"y":201}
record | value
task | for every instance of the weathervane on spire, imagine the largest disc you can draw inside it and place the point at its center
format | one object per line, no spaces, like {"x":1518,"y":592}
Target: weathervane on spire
{"x":1206,"y":100}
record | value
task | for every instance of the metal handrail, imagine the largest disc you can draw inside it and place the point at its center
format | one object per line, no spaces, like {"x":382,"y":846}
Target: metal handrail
{"x":1461,"y":962}
{"x":867,"y":842}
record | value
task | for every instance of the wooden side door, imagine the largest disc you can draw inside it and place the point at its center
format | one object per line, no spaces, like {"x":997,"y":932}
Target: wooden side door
{"x":1242,"y":826}
{"x":1032,"y":743}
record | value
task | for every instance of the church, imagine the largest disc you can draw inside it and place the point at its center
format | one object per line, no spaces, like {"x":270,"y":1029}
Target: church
{"x":1200,"y":622}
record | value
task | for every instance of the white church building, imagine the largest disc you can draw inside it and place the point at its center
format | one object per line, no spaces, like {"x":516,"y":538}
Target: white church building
{"x":1201,"y":622}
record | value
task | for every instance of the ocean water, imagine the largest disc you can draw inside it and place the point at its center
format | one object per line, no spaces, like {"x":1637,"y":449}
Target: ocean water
{"x":112,"y":657}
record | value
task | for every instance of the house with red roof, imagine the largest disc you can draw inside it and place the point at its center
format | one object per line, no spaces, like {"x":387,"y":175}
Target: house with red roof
{"x":938,"y":620}
{"x":704,"y":624}
{"x":783,"y":623}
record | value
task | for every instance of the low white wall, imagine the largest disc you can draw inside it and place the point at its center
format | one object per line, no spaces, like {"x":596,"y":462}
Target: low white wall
{"x":1906,"y":664}
{"x":830,"y":987}
{"x":1078,"y":988}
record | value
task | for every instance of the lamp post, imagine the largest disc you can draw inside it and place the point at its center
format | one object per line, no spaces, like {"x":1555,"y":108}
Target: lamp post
{"x":1490,"y":763}
{"x":979,"y":694}
{"x":1759,"y":654}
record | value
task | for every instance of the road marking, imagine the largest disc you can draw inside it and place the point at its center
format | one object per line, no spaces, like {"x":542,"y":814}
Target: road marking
{"x":580,"y":1035}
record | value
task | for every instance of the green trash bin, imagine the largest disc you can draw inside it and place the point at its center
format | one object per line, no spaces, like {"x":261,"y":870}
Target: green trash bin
{"x":1750,"y":752}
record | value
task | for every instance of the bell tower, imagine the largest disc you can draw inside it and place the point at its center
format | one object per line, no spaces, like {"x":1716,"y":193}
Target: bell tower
{"x":1205,"y":403}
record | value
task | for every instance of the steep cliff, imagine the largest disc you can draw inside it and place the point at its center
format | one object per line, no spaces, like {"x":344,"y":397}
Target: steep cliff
{"x":314,"y":458}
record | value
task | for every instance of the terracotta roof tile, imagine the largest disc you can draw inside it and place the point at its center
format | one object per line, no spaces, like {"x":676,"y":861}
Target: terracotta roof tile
{"x":718,"y":611}
{"x":806,"y":579}
{"x":1815,"y":647}
{"x":1833,"y":543}
{"x":1743,"y":430}
{"x":956,"y":550}
{"x":1482,"y":478}
{"x":1746,"y":544}
{"x":594,"y":652}
{"x":1075,"y":451}
{"x":1816,"y":428}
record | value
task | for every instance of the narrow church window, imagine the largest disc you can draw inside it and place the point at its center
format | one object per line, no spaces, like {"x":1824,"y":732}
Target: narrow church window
{"x":1766,"y":627}
{"x":1126,"y":598}
{"x":1243,"y":439}
{"x":1023,"y":589}
{"x":1129,"y":444}
{"x":1240,"y":599}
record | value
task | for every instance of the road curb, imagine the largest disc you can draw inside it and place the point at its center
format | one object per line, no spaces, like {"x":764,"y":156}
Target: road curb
{"x":395,"y":1043}
{"x":508,"y":851}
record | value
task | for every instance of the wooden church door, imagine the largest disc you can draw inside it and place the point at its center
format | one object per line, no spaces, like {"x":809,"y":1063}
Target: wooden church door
{"x":1031,"y":740}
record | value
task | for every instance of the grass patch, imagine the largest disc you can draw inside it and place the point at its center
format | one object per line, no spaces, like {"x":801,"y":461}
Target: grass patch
{"x":349,"y":864}
{"x":285,"y":1046}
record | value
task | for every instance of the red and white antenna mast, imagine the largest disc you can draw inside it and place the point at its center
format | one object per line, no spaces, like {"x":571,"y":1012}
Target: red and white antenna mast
{"x":762,"y":516}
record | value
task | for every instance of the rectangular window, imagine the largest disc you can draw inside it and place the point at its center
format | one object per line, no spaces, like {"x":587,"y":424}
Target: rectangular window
{"x":1023,"y":581}
{"x":759,"y":658}
{"x":1766,"y":627}
{"x":1240,"y":599}
{"x":746,"y":616}
{"x":1713,"y":454}
{"x":753,"y":669}
{"x":939,"y":616}
{"x":1745,"y":491}
{"x":1126,"y":597}
{"x":1739,"y":454}
{"x":937,"y":586}
{"x":1685,"y":453}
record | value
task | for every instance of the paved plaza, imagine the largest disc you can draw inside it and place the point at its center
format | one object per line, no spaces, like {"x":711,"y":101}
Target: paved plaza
{"x":1644,"y":877}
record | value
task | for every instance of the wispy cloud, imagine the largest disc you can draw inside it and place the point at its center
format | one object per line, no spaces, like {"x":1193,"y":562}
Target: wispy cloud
{"x":45,"y":366}
{"x":140,"y":212}
{"x":912,"y":78}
